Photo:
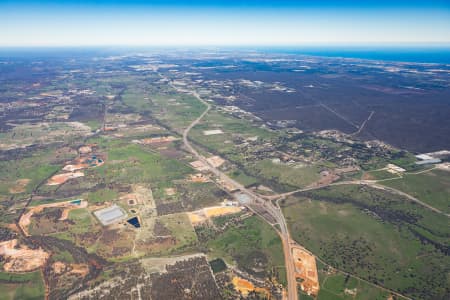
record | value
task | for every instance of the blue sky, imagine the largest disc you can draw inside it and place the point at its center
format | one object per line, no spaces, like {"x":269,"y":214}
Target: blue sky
{"x":223,"y":23}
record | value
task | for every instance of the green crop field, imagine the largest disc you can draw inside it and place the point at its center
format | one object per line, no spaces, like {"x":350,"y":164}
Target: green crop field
{"x":375,"y":236}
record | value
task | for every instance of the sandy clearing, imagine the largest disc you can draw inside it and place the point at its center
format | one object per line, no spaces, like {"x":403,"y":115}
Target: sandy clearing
{"x":212,"y":132}
{"x":196,"y":218}
{"x":61,"y":178}
{"x":221,"y":210}
{"x":21,"y":258}
{"x":71,"y":168}
{"x":205,"y":214}
{"x":199,"y":165}
{"x":306,"y":269}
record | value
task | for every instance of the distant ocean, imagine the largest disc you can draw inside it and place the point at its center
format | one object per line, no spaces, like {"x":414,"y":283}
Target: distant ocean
{"x":432,"y":54}
{"x":401,"y":54}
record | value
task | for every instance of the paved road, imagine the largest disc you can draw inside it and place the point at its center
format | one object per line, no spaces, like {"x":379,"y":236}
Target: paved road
{"x":275,"y":212}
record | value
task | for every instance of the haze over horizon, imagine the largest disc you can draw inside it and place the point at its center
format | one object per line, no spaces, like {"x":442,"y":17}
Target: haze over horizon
{"x":223,"y":23}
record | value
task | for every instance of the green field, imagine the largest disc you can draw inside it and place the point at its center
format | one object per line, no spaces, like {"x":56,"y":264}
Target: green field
{"x":243,"y":178}
{"x":250,"y":245}
{"x":29,"y":286}
{"x":102,"y":195}
{"x":36,"y":167}
{"x":176,"y":110}
{"x":380,"y":175}
{"x":180,"y":227}
{"x":192,"y":195}
{"x":374,"y":236}
{"x":131,"y":163}
{"x":339,"y":286}
{"x":295,"y":177}
{"x":234,"y":129}
{"x":431,"y":187}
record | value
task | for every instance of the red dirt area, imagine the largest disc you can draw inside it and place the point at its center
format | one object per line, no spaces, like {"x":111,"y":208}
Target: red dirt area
{"x":13,"y":227}
{"x":61,"y":178}
{"x":21,"y":258}
{"x":306,"y":269}
{"x":199,"y":177}
{"x":79,"y":269}
{"x":245,"y":287}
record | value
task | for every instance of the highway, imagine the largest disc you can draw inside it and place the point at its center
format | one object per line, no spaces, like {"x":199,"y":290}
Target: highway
{"x":265,"y":202}
{"x":272,"y":210}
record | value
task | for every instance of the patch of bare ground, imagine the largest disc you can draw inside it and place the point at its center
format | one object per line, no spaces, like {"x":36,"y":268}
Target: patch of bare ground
{"x":20,"y":258}
{"x":61,"y":178}
{"x":245,"y":287}
{"x":203,"y":215}
{"x":306,"y":270}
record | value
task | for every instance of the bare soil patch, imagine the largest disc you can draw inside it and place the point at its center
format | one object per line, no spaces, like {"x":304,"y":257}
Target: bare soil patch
{"x":306,"y":269}
{"x":20,"y":258}
{"x":61,"y":178}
